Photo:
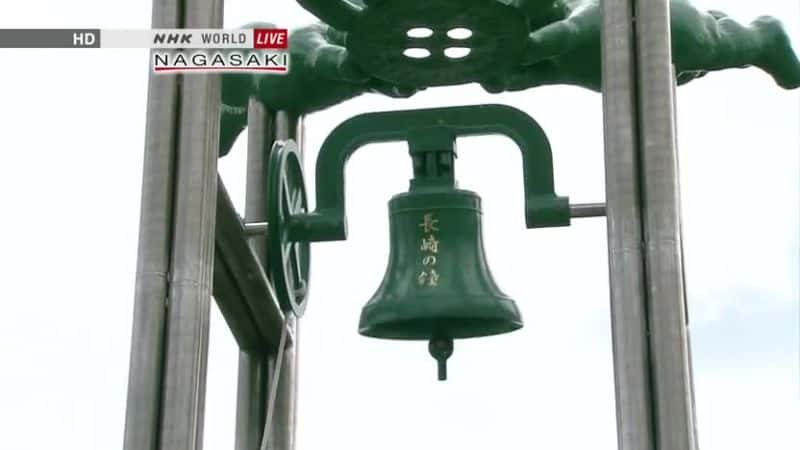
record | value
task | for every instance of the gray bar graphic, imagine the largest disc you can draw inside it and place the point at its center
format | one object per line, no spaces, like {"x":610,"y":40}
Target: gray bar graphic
{"x":50,"y":38}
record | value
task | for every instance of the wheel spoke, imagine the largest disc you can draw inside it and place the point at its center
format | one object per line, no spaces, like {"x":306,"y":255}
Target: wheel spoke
{"x":297,"y":201}
{"x":286,"y":190}
{"x":286,"y":252}
{"x":297,"y":269}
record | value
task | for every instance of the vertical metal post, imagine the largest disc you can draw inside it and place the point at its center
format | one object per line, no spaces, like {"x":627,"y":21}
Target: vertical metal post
{"x":651,"y":360}
{"x":155,"y":243}
{"x":253,"y":368}
{"x":193,"y":249}
{"x":282,"y":434}
{"x":624,"y":219}
{"x":292,"y":354}
{"x":672,"y":389}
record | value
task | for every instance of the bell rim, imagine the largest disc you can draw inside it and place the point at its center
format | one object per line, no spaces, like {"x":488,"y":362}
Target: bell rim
{"x":373,"y":333}
{"x":395,"y":327}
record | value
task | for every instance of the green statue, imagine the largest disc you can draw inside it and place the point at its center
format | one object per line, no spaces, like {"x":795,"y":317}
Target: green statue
{"x":510,"y":45}
{"x":565,"y":47}
{"x":320,"y":75}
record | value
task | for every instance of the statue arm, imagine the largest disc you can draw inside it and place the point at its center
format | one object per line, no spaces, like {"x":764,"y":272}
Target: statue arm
{"x":321,"y":74}
{"x":566,"y":49}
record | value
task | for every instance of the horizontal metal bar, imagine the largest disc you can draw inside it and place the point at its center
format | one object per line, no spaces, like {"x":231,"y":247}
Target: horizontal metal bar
{"x":587,"y":210}
{"x":256,"y":228}
{"x":248,"y":296}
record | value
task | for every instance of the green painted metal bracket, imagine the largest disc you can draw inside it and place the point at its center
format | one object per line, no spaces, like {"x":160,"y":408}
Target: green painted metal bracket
{"x":543,"y":208}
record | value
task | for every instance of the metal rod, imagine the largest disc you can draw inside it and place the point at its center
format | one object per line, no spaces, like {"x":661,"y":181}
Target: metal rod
{"x":256,"y":229}
{"x":233,"y":305}
{"x":250,"y":404}
{"x":241,"y":290}
{"x":683,"y":274}
{"x":624,"y":224}
{"x":292,"y":354}
{"x":273,"y":390}
{"x":193,"y":249}
{"x":249,"y":280}
{"x":672,"y":388}
{"x":253,"y":367}
{"x":282,"y":431}
{"x":583,"y":210}
{"x":155,"y":226}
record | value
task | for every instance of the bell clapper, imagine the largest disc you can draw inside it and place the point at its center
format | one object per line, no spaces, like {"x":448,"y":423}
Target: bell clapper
{"x":441,"y":349}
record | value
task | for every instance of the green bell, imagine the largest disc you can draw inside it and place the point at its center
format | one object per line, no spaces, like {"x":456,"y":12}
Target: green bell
{"x":437,"y":286}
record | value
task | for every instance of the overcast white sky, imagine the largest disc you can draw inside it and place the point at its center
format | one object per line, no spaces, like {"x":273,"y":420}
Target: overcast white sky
{"x":73,"y":124}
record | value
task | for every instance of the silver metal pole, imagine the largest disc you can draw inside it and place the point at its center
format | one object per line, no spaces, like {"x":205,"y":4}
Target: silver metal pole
{"x":253,"y":368}
{"x":250,"y":401}
{"x":282,"y":431}
{"x":193,"y":249}
{"x":294,"y":351}
{"x":683,"y":274}
{"x":624,"y":222}
{"x":672,"y":388}
{"x":155,"y":236}
{"x":651,"y":354}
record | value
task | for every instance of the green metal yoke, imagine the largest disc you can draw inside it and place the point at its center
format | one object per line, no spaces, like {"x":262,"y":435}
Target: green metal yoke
{"x":431,"y":134}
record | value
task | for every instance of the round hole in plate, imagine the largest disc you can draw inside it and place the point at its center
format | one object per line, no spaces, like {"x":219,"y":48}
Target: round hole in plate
{"x":457,"y":52}
{"x":417,"y":53}
{"x":419,"y":33}
{"x":459,"y":33}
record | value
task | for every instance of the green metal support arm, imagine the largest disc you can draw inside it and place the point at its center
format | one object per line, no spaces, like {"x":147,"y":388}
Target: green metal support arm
{"x":543,"y":208}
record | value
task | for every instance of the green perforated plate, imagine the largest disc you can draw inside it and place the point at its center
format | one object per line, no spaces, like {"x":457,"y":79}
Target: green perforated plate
{"x":437,"y":42}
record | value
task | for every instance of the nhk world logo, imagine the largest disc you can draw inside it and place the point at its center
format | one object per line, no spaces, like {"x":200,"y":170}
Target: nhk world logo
{"x":257,"y":50}
{"x":176,"y":49}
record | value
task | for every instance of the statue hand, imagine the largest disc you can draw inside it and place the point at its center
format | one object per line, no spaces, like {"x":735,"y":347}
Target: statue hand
{"x":565,"y":49}
{"x":321,"y":73}
{"x":565,"y":46}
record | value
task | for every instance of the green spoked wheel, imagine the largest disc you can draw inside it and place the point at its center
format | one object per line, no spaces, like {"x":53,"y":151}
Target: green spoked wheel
{"x":288,"y":261}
